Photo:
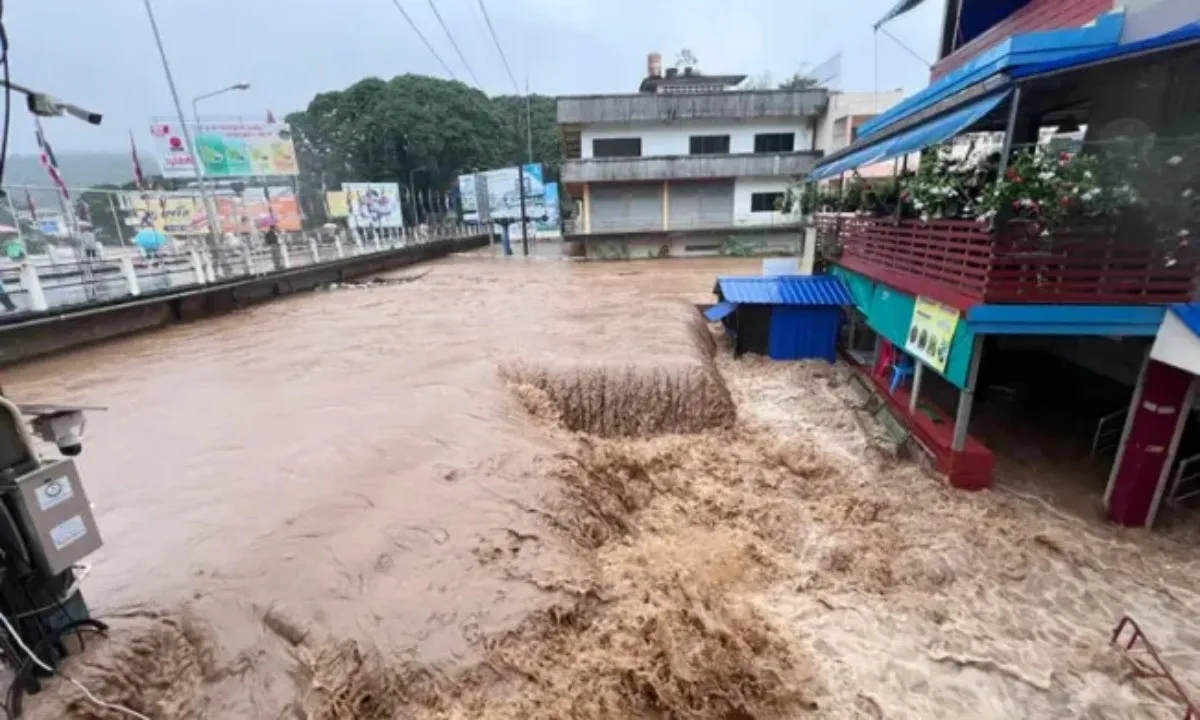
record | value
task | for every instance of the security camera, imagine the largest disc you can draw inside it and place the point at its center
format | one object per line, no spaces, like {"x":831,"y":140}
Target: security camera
{"x":64,"y":429}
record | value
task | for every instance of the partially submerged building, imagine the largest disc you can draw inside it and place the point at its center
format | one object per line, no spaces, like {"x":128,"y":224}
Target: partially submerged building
{"x":1063,"y":321}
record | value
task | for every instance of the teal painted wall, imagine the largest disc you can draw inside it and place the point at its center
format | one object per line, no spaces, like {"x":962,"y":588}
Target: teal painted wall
{"x":889,"y":313}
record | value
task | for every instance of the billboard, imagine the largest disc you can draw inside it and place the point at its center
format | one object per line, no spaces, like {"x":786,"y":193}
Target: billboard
{"x":182,"y":213}
{"x":227,"y":149}
{"x":370,"y":205}
{"x":500,"y":189}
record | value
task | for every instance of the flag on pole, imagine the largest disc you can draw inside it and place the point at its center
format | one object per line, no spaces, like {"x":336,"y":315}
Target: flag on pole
{"x":270,"y":117}
{"x":138,"y":176}
{"x":50,"y":162}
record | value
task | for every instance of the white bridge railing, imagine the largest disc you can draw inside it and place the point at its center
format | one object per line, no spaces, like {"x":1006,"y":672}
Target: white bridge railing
{"x":38,"y":284}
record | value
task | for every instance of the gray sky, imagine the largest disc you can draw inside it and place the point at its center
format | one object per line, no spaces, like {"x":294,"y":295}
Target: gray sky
{"x":101,"y":55}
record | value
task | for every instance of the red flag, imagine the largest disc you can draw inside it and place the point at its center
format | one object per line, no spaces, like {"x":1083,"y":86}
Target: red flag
{"x":50,"y":162}
{"x":270,"y":117}
{"x":138,"y":177}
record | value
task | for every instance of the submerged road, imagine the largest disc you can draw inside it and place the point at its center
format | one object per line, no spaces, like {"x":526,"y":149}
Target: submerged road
{"x":338,"y":456}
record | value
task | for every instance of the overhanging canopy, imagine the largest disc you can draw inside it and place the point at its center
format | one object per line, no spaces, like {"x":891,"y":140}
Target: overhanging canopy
{"x":1177,"y":38}
{"x":922,"y":136}
{"x":720,"y":311}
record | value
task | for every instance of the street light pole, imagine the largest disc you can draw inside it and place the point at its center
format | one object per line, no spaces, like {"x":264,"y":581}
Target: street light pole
{"x":213,"y":226}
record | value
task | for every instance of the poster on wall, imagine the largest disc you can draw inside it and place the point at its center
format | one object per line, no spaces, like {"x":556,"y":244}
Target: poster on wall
{"x":372,"y":205}
{"x":226,"y":149}
{"x":931,"y":332}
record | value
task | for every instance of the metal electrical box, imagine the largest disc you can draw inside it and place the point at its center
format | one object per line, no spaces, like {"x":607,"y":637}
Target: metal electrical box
{"x":57,"y":515}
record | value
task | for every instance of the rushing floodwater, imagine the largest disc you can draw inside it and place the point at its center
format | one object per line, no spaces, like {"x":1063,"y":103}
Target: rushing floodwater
{"x":339,"y":456}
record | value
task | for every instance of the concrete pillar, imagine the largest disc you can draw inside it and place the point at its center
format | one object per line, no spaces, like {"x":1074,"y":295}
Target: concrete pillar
{"x":32,"y":285}
{"x":918,"y":373}
{"x":378,"y":242}
{"x":666,"y":206}
{"x":130,"y":275}
{"x":587,"y":208}
{"x":284,"y":258}
{"x":337,"y":247}
{"x":248,"y":260}
{"x":209,"y":271}
{"x":315,"y":249}
{"x":358,"y":244}
{"x":197,"y":267}
{"x":808,"y":261}
{"x":966,"y":398}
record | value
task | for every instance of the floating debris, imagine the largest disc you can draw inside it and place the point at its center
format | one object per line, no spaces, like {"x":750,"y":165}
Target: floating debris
{"x":376,"y":282}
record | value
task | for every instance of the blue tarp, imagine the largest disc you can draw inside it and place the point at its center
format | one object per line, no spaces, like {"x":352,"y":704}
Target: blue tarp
{"x":1179,"y":37}
{"x":929,"y":133}
{"x":720,"y":311}
{"x":811,"y":290}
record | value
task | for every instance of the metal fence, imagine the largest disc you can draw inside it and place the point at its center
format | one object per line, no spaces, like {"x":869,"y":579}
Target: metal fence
{"x":41,"y":282}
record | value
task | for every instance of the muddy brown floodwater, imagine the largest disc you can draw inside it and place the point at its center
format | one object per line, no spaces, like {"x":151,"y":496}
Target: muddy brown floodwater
{"x":335,"y":459}
{"x":544,"y":489}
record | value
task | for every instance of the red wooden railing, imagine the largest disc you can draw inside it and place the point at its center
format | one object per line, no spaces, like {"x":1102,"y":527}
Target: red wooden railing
{"x":965,"y":262}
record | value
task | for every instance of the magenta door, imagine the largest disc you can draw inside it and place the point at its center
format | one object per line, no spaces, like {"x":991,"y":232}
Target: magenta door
{"x":1148,"y":448}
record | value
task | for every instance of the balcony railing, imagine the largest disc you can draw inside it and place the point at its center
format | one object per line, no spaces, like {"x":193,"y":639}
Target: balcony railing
{"x":685,"y":167}
{"x":963,"y":262}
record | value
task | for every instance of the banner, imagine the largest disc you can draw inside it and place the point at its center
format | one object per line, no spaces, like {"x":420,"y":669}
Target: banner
{"x":238,"y":214}
{"x":227,"y":149}
{"x":373,"y":205}
{"x":335,"y":204}
{"x":503,"y":196}
{"x":182,"y":212}
{"x":931,"y":332}
{"x":172,"y":214}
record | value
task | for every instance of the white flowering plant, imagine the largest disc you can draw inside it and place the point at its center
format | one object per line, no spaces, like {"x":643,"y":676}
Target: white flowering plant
{"x":941,"y":187}
{"x":1052,"y":189}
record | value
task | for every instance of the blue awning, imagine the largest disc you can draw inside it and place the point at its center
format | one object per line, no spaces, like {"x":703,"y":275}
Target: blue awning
{"x":720,"y":311}
{"x":929,"y":133}
{"x":1177,"y":38}
{"x":1189,"y":315}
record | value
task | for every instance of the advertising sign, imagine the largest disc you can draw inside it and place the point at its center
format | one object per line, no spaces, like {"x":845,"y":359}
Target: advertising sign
{"x":172,"y":214}
{"x":227,"y":149}
{"x":252,"y":208}
{"x":372,"y":205}
{"x":336,"y":205}
{"x":500,"y":189}
{"x":182,"y":213}
{"x":931,"y":332}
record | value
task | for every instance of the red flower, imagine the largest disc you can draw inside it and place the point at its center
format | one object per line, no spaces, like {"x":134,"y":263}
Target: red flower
{"x":904,"y":196}
{"x":1064,"y":201}
{"x":1064,"y":157}
{"x":1014,"y":175}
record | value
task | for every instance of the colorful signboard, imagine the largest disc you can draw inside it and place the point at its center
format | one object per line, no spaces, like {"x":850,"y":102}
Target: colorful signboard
{"x":500,"y":189}
{"x":226,"y":149}
{"x":182,"y":213}
{"x":931,"y":332}
{"x":371,"y":205}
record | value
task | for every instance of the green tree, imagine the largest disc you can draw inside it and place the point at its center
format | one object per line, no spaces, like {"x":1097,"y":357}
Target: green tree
{"x":418,"y":131}
{"x":799,"y":81}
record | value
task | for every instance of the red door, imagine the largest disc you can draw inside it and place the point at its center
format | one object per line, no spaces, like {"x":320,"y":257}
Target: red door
{"x":1148,"y":448}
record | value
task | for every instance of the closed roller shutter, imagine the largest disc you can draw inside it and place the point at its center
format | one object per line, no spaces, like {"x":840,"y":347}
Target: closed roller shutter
{"x":701,"y":204}
{"x":620,"y":208}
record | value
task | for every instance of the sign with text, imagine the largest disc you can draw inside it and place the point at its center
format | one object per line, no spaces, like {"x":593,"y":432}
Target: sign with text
{"x":931,"y":332}
{"x":226,"y":149}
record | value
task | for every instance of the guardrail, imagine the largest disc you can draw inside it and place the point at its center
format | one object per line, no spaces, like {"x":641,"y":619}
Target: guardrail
{"x":37,"y":285}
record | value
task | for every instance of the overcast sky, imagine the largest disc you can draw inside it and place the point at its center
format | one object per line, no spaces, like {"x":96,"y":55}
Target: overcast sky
{"x":101,"y":54}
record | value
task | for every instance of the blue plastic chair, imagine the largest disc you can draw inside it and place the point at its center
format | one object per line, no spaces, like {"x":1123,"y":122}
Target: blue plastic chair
{"x":902,"y":369}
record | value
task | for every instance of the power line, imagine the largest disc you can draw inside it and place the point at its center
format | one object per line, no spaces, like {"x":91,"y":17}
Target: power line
{"x":421,"y":35}
{"x":453,"y":44}
{"x":499,"y":49}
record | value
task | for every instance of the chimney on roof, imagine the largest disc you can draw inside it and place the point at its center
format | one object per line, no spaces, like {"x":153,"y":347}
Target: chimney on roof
{"x":688,"y":71}
{"x":654,"y":65}
{"x":672,"y":72}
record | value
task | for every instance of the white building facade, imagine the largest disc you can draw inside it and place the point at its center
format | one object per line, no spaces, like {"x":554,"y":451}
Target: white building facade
{"x":689,"y":155}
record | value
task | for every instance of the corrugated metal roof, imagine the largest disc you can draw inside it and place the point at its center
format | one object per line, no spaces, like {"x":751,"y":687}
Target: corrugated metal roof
{"x":719,"y":311}
{"x":1189,"y":315}
{"x":785,"y":290}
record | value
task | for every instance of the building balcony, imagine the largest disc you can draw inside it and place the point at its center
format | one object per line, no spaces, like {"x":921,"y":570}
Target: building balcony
{"x":689,"y":167}
{"x":964,"y":263}
{"x":669,"y":107}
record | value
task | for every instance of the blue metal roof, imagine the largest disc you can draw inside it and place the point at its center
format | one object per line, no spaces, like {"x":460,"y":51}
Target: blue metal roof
{"x":1179,"y":37}
{"x":928,"y":133}
{"x":785,"y":290}
{"x":720,"y":311}
{"x":1005,"y":57}
{"x":1189,"y":315}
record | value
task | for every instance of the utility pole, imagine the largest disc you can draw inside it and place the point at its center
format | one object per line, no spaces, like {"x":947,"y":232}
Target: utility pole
{"x":524,"y":224}
{"x":528,"y":123}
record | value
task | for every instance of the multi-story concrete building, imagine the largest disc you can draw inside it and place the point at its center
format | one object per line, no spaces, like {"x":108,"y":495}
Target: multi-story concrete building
{"x":687,"y":162}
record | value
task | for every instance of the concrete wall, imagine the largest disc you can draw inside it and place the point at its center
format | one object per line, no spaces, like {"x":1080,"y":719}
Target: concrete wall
{"x":744,"y":188}
{"x":53,"y":332}
{"x":849,"y":104}
{"x":659,"y":140}
{"x":688,"y":167}
{"x":713,"y":243}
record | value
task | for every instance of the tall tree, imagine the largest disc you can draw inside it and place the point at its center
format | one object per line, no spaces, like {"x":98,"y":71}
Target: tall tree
{"x":799,"y":81}
{"x":418,"y":131}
